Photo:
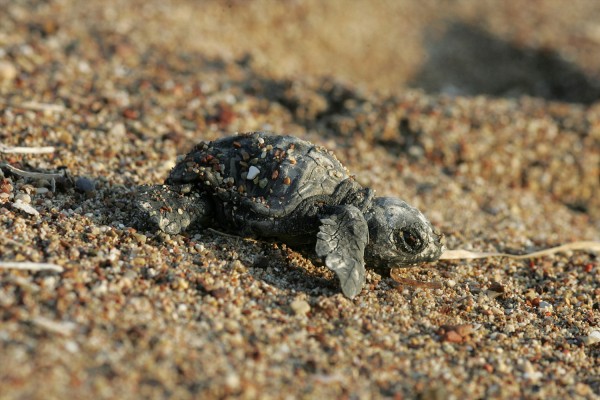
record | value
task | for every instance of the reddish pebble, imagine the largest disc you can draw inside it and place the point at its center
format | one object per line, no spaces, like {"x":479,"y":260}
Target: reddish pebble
{"x":130,"y":113}
{"x":218,"y":293}
{"x":452,"y":337}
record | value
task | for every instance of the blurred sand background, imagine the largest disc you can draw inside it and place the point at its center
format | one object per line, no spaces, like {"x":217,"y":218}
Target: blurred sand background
{"x":486,"y":47}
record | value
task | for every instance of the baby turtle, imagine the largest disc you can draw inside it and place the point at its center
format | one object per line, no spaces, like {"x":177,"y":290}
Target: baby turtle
{"x":285,"y":189}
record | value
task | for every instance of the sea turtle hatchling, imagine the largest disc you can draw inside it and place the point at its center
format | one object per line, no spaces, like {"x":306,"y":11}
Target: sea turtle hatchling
{"x":289,"y":190}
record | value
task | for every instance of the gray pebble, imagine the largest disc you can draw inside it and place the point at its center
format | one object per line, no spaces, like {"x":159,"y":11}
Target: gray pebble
{"x":85,"y":185}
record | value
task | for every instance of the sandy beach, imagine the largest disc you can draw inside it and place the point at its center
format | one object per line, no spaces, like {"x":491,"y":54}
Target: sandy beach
{"x":485,"y":115}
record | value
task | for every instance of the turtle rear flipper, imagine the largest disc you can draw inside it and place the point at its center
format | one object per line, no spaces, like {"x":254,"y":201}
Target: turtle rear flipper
{"x":341,"y":241}
{"x":170,"y":209}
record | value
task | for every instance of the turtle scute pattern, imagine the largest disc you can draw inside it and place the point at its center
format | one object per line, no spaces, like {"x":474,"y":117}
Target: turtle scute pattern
{"x":267,"y":174}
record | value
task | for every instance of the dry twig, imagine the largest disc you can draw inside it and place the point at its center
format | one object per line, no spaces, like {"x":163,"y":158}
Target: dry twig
{"x":35,"y":106}
{"x":25,"y":150}
{"x":30,"y":266}
{"x":64,"y":328}
{"x":29,"y":174}
{"x":53,"y":177}
{"x":468,"y":255}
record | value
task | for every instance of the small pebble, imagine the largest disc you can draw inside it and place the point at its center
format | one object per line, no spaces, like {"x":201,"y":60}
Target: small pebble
{"x":232,"y":381}
{"x":85,"y":185}
{"x":252,"y":172}
{"x":25,"y":198}
{"x":545,"y":306}
{"x":19,"y":205}
{"x":452,"y":337}
{"x":8,"y":71}
{"x":455,"y":333}
{"x":300,"y":307}
{"x":592,"y":338}
{"x":218,"y":293}
{"x":497,"y":287}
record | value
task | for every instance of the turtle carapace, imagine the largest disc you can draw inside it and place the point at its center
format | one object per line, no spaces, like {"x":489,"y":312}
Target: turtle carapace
{"x":285,"y":189}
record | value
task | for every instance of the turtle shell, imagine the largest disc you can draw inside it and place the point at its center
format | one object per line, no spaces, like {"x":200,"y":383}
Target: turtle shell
{"x":269,"y":175}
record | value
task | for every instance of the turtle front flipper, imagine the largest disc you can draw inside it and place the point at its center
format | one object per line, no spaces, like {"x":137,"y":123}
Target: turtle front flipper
{"x":171,"y":208}
{"x":341,"y":241}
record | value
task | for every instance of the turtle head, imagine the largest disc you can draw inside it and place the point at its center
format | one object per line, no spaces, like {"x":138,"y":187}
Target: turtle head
{"x":399,"y":235}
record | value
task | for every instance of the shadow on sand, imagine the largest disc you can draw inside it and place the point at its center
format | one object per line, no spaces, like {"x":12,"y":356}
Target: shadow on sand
{"x":466,"y":60}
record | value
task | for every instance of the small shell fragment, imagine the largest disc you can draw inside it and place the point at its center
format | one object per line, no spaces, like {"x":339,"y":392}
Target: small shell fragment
{"x":20,"y":205}
{"x":592,"y":338}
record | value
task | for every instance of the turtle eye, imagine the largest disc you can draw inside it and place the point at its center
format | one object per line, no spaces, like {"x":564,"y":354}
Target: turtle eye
{"x":409,"y":241}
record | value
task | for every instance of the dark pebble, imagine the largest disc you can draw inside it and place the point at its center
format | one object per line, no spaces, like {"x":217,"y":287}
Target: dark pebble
{"x":85,"y":185}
